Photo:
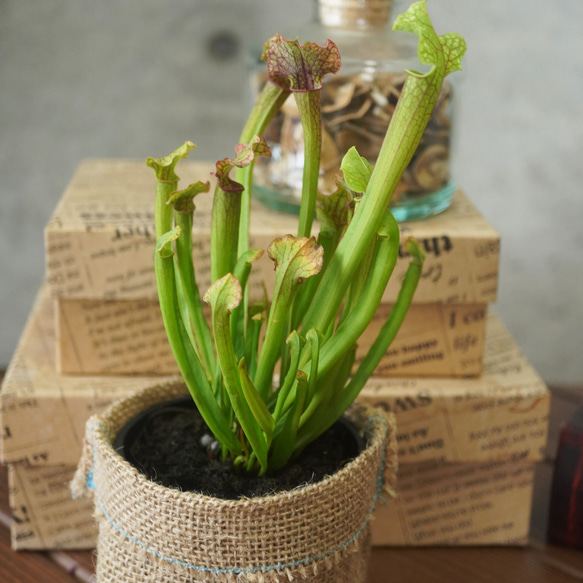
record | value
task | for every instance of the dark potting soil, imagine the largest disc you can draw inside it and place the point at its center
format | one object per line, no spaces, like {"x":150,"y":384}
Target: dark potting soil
{"x":169,"y":450}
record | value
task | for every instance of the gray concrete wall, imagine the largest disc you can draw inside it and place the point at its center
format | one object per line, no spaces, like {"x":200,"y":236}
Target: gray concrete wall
{"x":132,"y":78}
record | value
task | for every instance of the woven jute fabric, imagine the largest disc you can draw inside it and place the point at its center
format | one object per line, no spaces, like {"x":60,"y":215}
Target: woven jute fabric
{"x":148,"y":532}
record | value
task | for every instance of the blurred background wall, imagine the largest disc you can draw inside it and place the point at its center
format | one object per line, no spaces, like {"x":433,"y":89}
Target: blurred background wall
{"x":133,"y":78}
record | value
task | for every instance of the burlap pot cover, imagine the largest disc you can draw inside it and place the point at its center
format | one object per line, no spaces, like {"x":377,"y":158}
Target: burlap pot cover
{"x":147,"y":532}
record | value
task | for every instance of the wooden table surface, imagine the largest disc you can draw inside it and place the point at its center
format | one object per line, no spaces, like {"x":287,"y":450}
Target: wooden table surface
{"x":536,"y":563}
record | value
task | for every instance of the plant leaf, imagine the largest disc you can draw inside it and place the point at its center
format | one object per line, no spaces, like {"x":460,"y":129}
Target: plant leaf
{"x":188,"y":294}
{"x":299,"y":68}
{"x":254,"y":325}
{"x":388,"y":331}
{"x":190,"y":366}
{"x":283,"y":445}
{"x":255,"y":402}
{"x":182,"y":200}
{"x":295,"y":343}
{"x":267,"y":105}
{"x":244,"y":263}
{"x":296,"y":258}
{"x":330,"y":386}
{"x":225,"y":182}
{"x":432,"y":48}
{"x":405,"y":131}
{"x":244,"y":155}
{"x":360,"y":314}
{"x":164,"y":167}
{"x":357,"y":170}
{"x":413,"y":248}
{"x":258,"y":309}
{"x":314,"y":338}
{"x":336,"y":206}
{"x":241,"y":272}
{"x":224,"y":294}
{"x":163,"y":247}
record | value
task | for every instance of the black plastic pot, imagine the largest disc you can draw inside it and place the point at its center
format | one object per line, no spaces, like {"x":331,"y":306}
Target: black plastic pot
{"x":138,"y":426}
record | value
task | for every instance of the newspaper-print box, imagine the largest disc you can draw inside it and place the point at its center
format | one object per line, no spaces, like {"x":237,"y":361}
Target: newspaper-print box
{"x":467,"y":447}
{"x":99,"y":247}
{"x":127,"y":337}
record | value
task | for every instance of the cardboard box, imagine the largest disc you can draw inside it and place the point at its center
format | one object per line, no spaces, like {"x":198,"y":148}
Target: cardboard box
{"x":43,"y":413}
{"x":99,"y":246}
{"x":101,"y":337}
{"x":467,"y":449}
{"x":458,"y":504}
{"x":461,"y":442}
{"x":45,"y":516}
{"x":100,"y":240}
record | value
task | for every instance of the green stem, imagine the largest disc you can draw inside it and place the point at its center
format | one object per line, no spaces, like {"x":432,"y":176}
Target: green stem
{"x":391,"y":326}
{"x":330,"y":385}
{"x":358,"y":283}
{"x":313,"y":338}
{"x":295,"y":345}
{"x":190,"y":292}
{"x":252,"y":344}
{"x":309,"y":106}
{"x":222,"y":296}
{"x":241,"y":272}
{"x":166,"y":184}
{"x":403,"y":136}
{"x":163,"y":211}
{"x":283,"y":444}
{"x":296,"y":259}
{"x":352,"y":327}
{"x":190,"y":367}
{"x":270,"y":351}
{"x":267,"y":105}
{"x":323,"y":418}
{"x":328,"y":240}
{"x":224,"y":232}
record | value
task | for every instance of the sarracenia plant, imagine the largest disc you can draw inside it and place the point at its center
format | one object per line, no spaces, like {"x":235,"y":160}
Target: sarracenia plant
{"x":327,"y":288}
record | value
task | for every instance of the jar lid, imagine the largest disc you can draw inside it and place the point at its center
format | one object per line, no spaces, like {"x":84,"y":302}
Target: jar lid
{"x":354,"y":14}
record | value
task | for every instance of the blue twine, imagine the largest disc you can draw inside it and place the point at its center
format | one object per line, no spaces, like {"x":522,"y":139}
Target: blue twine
{"x":90,"y":484}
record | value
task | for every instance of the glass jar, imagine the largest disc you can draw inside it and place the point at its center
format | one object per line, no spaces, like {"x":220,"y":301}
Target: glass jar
{"x":357,"y":105}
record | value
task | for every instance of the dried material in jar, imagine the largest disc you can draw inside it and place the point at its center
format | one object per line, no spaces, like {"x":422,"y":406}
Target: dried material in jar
{"x":356,"y":111}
